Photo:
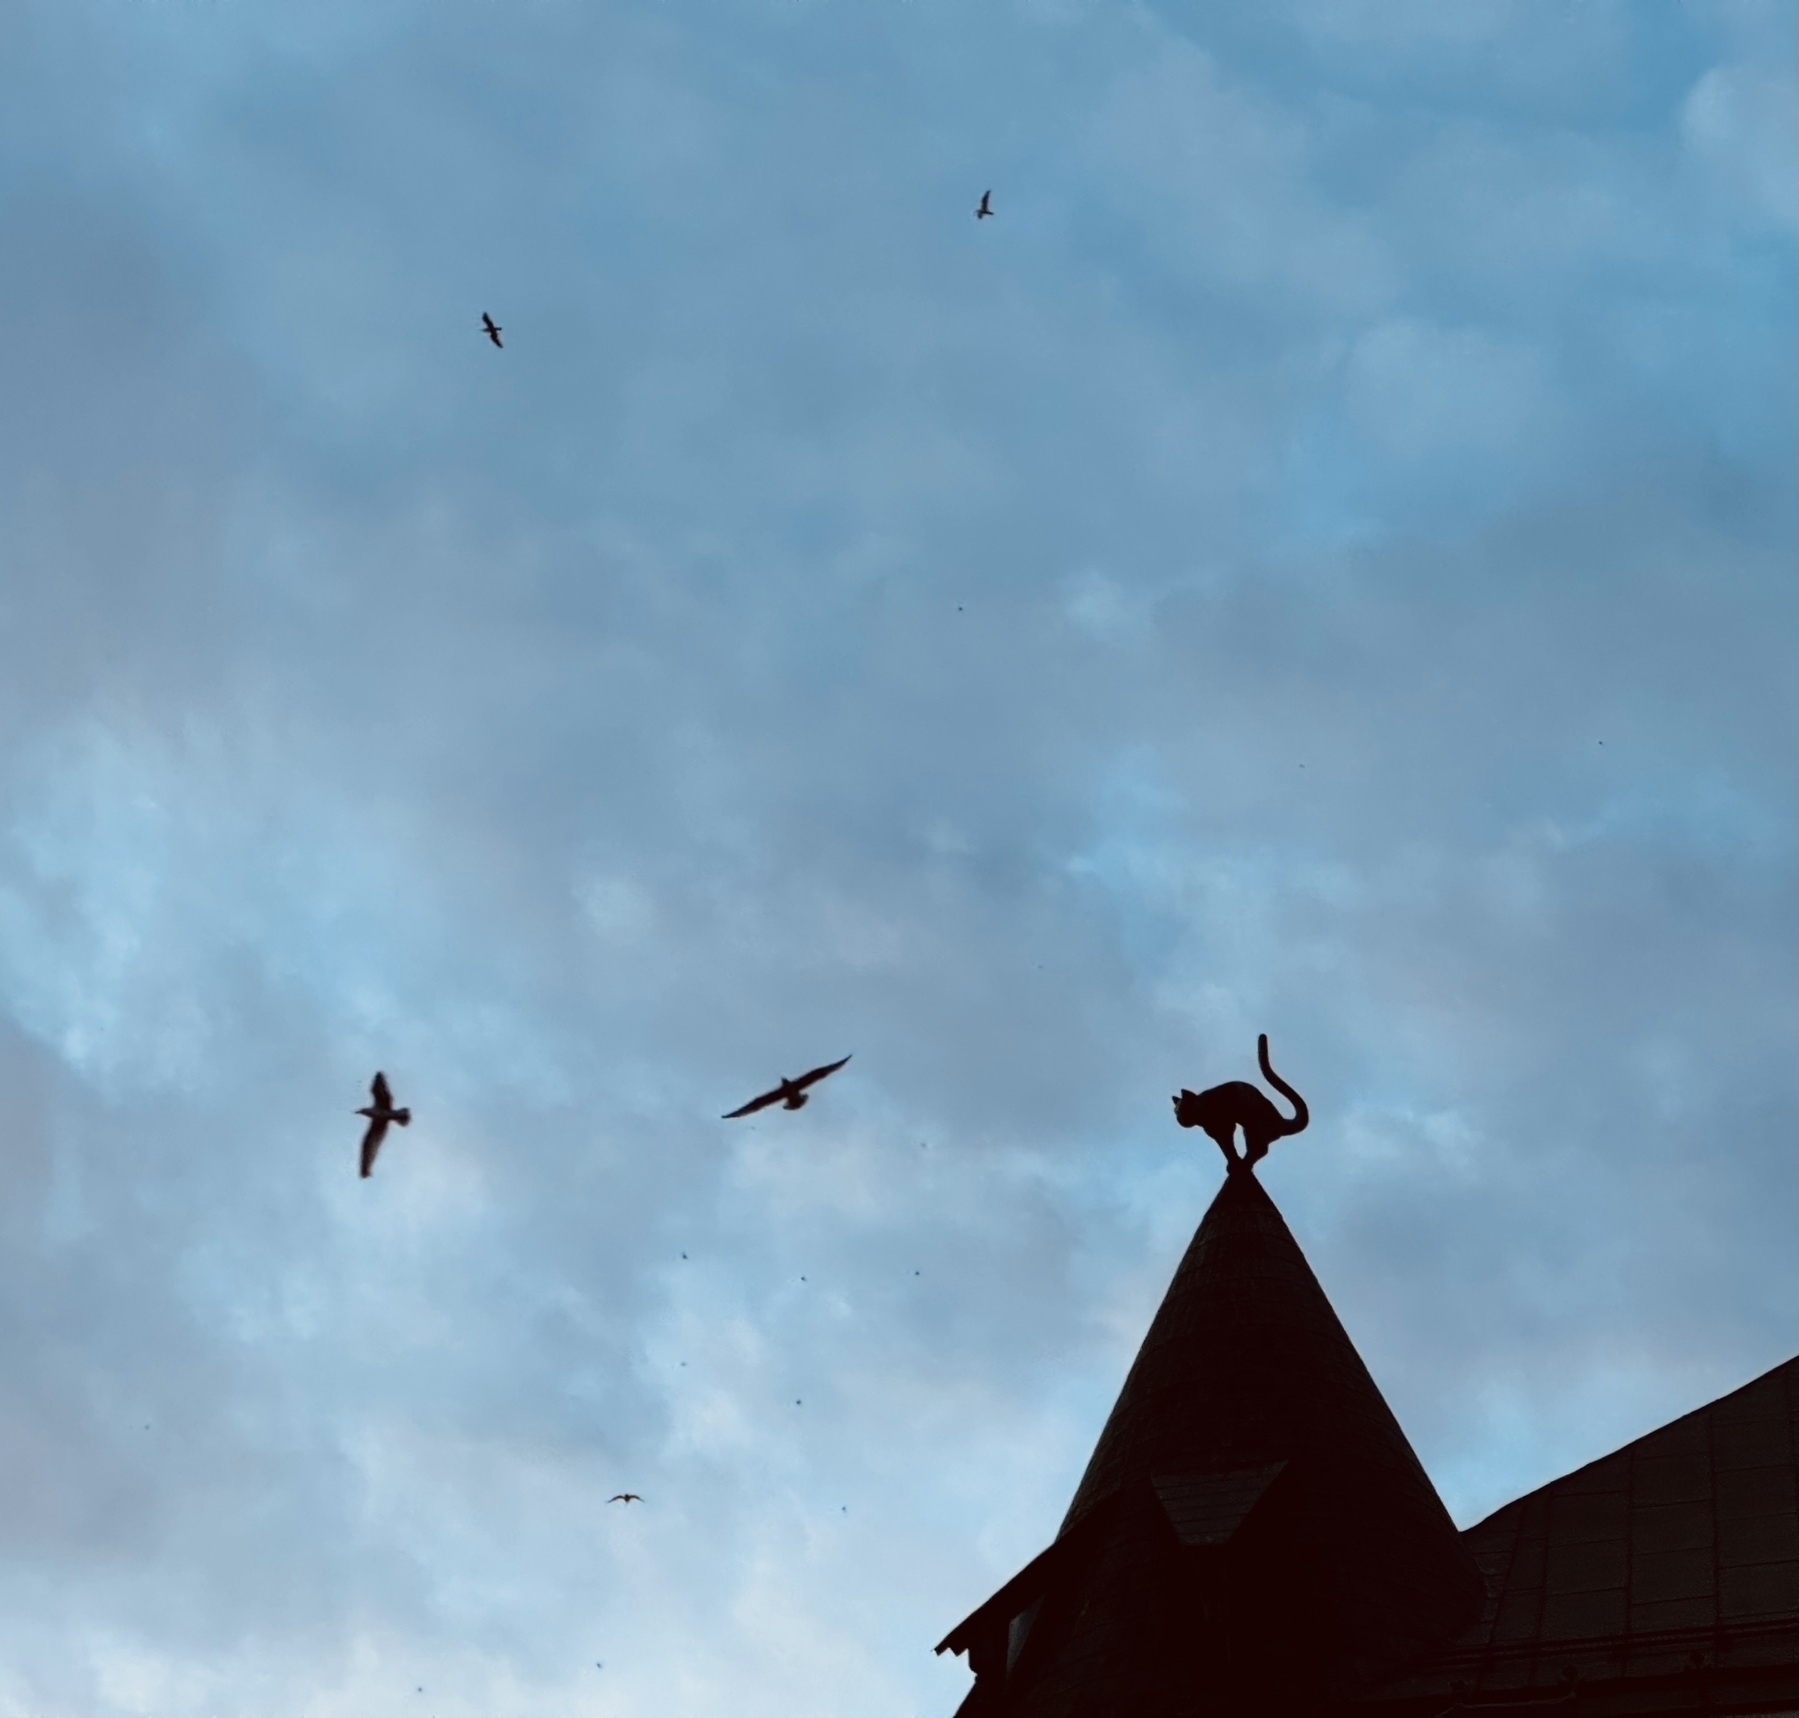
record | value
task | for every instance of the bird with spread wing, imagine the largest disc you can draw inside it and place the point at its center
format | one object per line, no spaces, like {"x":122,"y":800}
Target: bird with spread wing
{"x":790,"y":1094}
{"x":491,"y":329}
{"x":380,"y":1113}
{"x":626,"y":1497}
{"x":985,"y":211}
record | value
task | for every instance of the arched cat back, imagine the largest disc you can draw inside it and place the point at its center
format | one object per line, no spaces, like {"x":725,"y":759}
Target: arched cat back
{"x":1222,"y":1110}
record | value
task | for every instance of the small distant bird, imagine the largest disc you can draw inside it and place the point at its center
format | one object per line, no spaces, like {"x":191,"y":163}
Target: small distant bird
{"x":986,"y":207}
{"x":380,"y":1113}
{"x":789,"y":1093}
{"x":492,"y":330}
{"x":625,"y":1497}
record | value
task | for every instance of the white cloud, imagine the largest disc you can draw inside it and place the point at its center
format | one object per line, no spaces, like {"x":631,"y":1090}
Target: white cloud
{"x":1742,"y":122}
{"x":1421,"y":393}
{"x":792,"y":643}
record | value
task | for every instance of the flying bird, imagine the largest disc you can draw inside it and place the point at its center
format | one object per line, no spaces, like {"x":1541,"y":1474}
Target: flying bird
{"x":789,"y":1093}
{"x":380,"y":1113}
{"x":986,"y":207}
{"x":492,"y":330}
{"x":625,"y":1497}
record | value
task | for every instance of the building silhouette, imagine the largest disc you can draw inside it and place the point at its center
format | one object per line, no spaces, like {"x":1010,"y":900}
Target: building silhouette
{"x":1255,"y":1538}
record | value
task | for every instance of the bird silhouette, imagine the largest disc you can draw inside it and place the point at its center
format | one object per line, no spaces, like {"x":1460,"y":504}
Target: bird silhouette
{"x":986,"y":208}
{"x":380,"y":1113}
{"x":791,"y":1094}
{"x":626,"y":1497}
{"x":491,"y":329}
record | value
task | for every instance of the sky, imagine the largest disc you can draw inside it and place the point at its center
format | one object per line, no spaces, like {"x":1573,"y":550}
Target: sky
{"x":1319,"y":561}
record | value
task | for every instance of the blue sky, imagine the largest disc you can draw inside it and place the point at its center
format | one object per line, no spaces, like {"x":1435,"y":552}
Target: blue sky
{"x":1318,"y":562}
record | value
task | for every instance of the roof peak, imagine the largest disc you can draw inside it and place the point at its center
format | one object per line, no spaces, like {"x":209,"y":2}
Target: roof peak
{"x":1251,"y":1476}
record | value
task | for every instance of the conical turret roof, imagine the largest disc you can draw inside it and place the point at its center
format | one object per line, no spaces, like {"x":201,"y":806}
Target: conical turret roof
{"x":1253,"y":1532}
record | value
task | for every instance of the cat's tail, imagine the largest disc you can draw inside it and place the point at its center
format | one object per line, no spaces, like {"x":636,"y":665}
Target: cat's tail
{"x":1301,"y":1115}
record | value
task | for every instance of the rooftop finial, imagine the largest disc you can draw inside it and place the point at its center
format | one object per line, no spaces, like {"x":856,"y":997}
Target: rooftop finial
{"x":1237,"y":1104}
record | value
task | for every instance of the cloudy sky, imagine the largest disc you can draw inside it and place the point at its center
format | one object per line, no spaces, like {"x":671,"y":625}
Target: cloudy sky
{"x":1319,"y":561}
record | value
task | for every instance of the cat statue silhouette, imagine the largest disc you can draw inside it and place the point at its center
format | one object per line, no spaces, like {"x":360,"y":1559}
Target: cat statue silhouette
{"x":1222,"y":1110}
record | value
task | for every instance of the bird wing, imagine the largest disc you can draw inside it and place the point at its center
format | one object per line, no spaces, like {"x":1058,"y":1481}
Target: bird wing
{"x":371,"y":1143}
{"x":384,"y":1099}
{"x":757,"y":1103}
{"x":818,"y":1074}
{"x":488,"y":322}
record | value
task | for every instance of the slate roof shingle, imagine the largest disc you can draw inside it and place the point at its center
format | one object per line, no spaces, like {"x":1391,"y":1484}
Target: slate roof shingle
{"x":1681,"y":1546}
